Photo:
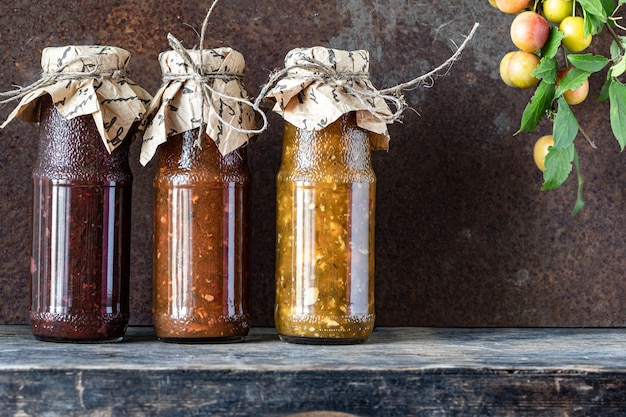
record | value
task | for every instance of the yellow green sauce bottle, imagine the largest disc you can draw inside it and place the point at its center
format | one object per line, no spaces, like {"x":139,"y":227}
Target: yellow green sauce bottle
{"x":326,"y":197}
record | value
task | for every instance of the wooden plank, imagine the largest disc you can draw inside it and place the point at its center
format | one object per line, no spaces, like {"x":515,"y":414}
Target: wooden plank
{"x":400,"y":371}
{"x":387,"y":349}
{"x":428,"y":393}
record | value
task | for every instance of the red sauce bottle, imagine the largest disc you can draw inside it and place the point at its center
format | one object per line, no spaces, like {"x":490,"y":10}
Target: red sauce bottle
{"x":81,"y":232}
{"x":201,"y":240}
{"x":88,"y":111}
{"x":201,"y":197}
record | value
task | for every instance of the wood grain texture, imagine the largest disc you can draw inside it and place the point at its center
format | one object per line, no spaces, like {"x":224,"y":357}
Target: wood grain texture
{"x":399,"y":372}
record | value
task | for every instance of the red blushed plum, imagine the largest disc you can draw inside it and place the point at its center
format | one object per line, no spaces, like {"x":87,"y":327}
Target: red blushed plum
{"x":541,"y":149}
{"x":577,"y":95}
{"x":504,"y":69}
{"x":512,"y":6}
{"x":529,"y":31}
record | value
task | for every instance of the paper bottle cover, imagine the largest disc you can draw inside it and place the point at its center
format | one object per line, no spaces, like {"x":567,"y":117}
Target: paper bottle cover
{"x":178,"y":105}
{"x":91,"y":80}
{"x":311,"y":100}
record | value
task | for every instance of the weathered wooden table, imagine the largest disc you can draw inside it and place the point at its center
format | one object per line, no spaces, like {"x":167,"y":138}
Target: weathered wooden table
{"x":398,"y":372}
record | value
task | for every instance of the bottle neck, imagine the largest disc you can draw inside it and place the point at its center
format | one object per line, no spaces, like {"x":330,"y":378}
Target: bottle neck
{"x":72,"y":149}
{"x":339,"y":152}
{"x":182,"y":153}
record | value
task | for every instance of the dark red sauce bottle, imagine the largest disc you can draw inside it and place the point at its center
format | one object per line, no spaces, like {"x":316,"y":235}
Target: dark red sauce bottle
{"x":81,"y":232}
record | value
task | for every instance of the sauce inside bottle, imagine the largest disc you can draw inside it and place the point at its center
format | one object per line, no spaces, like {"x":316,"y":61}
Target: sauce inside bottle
{"x":201,"y":232}
{"x":81,"y":232}
{"x":325,"y":235}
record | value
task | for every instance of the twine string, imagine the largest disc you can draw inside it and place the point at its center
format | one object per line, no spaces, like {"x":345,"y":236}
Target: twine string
{"x":318,"y":71}
{"x":202,"y":78}
{"x":205,"y":80}
{"x":59,"y":74}
{"x":347,"y":80}
{"x":353,"y":83}
{"x":435,"y":73}
{"x":314,"y":71}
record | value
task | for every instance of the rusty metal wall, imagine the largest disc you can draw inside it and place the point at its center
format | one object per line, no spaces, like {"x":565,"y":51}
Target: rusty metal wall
{"x":464,"y":235}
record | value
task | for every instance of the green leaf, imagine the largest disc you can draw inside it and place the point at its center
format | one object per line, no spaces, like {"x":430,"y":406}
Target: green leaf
{"x":604,"y":92}
{"x":619,"y":68}
{"x":619,"y":62}
{"x":595,"y":16}
{"x":615,"y":51}
{"x":594,"y":24}
{"x":547,"y":70}
{"x":594,"y":7}
{"x":617,"y":96}
{"x":579,"y":194}
{"x":565,"y":126}
{"x":560,"y":157}
{"x":588,"y":62}
{"x":558,"y":167}
{"x":551,"y":48}
{"x":572,"y":80}
{"x":539,"y":104}
{"x":608,"y":6}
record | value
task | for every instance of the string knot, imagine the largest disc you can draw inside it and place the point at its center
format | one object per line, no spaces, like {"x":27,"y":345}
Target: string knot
{"x":205,"y":80}
{"x":353,"y":83}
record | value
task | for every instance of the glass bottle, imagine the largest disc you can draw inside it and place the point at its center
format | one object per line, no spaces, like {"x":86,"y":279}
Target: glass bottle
{"x":81,"y":232}
{"x":200,"y":234}
{"x":325,"y":235}
{"x":201,"y":196}
{"x":88,"y":112}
